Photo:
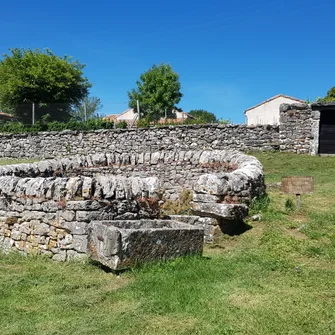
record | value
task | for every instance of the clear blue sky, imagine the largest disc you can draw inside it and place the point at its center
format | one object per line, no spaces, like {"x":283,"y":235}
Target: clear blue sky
{"x":230,"y":55}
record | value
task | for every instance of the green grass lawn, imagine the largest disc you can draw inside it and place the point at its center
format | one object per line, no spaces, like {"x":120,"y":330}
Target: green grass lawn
{"x":8,"y":161}
{"x":277,"y":278}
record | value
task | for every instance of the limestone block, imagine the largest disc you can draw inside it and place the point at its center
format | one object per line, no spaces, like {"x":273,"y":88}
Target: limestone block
{"x":80,"y":243}
{"x":66,"y":215}
{"x":75,"y":227}
{"x":121,"y":244}
{"x":211,"y":184}
{"x":198,"y":197}
{"x":60,"y":257}
{"x":72,"y":255}
{"x":39,"y":228}
{"x":220,"y":211}
{"x":85,"y":205}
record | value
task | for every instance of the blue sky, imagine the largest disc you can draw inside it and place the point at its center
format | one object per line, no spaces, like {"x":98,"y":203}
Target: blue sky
{"x":230,"y":55}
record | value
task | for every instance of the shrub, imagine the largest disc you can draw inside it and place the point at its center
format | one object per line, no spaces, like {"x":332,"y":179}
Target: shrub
{"x":43,"y":125}
{"x":260,"y":204}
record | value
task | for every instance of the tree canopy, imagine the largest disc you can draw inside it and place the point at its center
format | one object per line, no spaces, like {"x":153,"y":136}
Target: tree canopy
{"x":53,"y":83}
{"x":203,"y":116}
{"x":87,"y":109}
{"x":158,"y":91}
{"x":330,"y":97}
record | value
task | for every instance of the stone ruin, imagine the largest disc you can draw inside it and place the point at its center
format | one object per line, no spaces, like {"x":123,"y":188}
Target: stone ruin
{"x":106,"y":206}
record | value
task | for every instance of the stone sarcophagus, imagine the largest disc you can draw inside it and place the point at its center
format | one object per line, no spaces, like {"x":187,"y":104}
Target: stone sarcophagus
{"x":122,"y":244}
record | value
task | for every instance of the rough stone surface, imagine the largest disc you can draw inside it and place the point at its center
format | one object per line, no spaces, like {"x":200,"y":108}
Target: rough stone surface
{"x":47,"y":207}
{"x":121,"y":244}
{"x":220,"y":211}
{"x":209,"y":225}
{"x":215,"y":172}
{"x":211,"y":184}
{"x":297,"y":128}
{"x":42,"y":216}
{"x":135,"y":141}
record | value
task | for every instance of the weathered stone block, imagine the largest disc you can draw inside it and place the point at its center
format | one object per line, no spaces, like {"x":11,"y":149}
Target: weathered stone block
{"x":198,"y":197}
{"x":67,"y":215}
{"x":75,"y":227}
{"x":39,"y":228}
{"x":121,"y":244}
{"x":207,"y":224}
{"x":220,"y":211}
{"x":80,"y":243}
{"x":85,"y":205}
{"x":211,"y":184}
{"x":75,"y":256}
{"x":60,"y":256}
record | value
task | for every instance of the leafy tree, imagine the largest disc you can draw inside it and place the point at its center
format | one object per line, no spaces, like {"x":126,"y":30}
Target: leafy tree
{"x":158,"y":91}
{"x":203,"y":116}
{"x":92,"y":106}
{"x":330,"y":95}
{"x":53,"y":83}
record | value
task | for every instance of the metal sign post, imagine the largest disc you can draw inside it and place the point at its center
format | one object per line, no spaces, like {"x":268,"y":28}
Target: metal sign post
{"x":297,"y":185}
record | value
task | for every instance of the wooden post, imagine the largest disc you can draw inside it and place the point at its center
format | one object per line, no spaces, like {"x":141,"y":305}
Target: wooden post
{"x":138,"y":108}
{"x":298,"y":202}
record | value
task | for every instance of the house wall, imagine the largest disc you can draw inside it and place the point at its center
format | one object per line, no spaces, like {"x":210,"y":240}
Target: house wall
{"x":267,"y":113}
{"x":129,"y":115}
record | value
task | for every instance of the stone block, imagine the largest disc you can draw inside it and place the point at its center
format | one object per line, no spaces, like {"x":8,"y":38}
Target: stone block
{"x":220,"y":211}
{"x":198,"y":197}
{"x":66,"y":242}
{"x":25,"y":227}
{"x":85,"y":205}
{"x":211,"y":184}
{"x":75,"y":256}
{"x":80,"y":243}
{"x":16,"y":235}
{"x":49,"y":206}
{"x":207,"y":224}
{"x":60,"y":256}
{"x":76,"y":227}
{"x":66,"y":215}
{"x":39,"y":228}
{"x":87,"y":216}
{"x":122,"y":244}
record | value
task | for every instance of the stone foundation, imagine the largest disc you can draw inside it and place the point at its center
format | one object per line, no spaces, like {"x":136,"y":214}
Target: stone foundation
{"x":47,"y":207}
{"x":122,"y":244}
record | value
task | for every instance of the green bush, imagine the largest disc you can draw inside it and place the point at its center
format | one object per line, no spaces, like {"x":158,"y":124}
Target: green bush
{"x":43,"y":125}
{"x":260,"y":204}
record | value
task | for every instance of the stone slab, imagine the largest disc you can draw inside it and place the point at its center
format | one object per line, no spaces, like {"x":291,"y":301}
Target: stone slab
{"x":123,"y":244}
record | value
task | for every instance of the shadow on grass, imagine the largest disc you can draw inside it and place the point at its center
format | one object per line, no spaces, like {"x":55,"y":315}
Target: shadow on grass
{"x":234,"y":227}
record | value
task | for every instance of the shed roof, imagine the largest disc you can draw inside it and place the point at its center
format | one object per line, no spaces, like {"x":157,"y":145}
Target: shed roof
{"x":273,"y":98}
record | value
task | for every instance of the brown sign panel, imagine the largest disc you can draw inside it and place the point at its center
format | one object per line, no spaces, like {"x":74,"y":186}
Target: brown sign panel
{"x":297,"y":185}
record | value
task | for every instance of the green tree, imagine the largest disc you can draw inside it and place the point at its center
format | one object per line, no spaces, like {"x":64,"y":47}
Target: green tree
{"x":203,"y":116}
{"x":330,"y":97}
{"x":158,"y":91}
{"x":53,"y":83}
{"x":91,"y":105}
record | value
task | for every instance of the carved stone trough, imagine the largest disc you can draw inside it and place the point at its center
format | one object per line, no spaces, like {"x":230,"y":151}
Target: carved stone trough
{"x":121,"y":244}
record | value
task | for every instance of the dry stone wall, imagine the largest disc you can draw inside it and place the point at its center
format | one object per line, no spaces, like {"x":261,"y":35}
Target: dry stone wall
{"x":298,"y":132}
{"x":297,"y":128}
{"x":173,"y":138}
{"x":46,"y":207}
{"x":175,"y":170}
{"x":51,"y":215}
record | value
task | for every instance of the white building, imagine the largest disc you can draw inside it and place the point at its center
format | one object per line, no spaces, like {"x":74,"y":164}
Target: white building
{"x":267,"y":112}
{"x":131,"y":117}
